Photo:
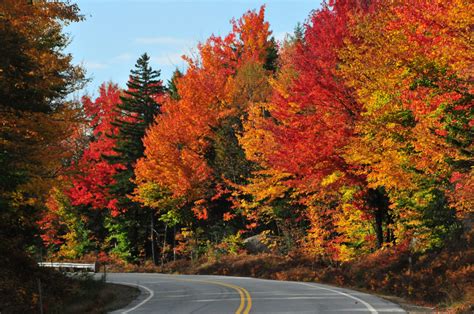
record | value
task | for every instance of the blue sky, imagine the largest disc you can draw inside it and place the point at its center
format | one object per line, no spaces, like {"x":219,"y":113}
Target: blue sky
{"x":117,"y":32}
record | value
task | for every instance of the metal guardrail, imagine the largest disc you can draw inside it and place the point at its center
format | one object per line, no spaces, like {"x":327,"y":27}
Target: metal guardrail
{"x":72,"y":266}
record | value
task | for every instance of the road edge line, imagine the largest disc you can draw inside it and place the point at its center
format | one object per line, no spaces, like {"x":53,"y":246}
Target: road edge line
{"x":367,"y":305}
{"x":135,"y":285}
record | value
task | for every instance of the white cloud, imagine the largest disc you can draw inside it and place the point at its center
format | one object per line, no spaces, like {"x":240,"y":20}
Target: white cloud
{"x":162,"y":41}
{"x":122,"y":57}
{"x":91,"y":65}
{"x":173,"y":59}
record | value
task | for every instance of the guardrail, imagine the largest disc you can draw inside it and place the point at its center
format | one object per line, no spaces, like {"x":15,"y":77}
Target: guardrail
{"x":70,"y":266}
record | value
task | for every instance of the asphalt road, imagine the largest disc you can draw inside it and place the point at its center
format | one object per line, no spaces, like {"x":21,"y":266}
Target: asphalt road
{"x":218,"y":294}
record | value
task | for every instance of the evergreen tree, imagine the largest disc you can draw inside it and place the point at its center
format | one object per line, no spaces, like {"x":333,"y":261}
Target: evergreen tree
{"x":271,"y":62}
{"x":138,"y":109}
{"x":298,"y":33}
{"x":172,"y":87}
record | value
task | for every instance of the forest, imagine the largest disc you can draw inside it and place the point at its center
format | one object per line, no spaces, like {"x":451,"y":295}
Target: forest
{"x":350,"y":138}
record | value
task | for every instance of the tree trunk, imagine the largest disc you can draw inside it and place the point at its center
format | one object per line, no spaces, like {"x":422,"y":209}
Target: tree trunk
{"x":174,"y":243}
{"x":378,"y":200}
{"x":379,"y":227}
{"x":164,"y":246}
{"x":152,"y":226}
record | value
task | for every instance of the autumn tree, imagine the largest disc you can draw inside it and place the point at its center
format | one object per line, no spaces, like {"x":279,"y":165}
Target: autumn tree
{"x":87,"y":180}
{"x":265,"y":199}
{"x":309,"y":121}
{"x":64,"y":227}
{"x":412,"y":72}
{"x":193,"y":150}
{"x":92,"y":174}
{"x":36,"y":124}
{"x":35,"y":77}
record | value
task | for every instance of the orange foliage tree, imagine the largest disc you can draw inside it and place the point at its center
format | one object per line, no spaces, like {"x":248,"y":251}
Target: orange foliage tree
{"x":306,"y":125}
{"x":192,"y":153}
{"x":411,"y":68}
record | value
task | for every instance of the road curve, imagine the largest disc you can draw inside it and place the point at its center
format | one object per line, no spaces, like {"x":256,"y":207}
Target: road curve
{"x":163,"y":293}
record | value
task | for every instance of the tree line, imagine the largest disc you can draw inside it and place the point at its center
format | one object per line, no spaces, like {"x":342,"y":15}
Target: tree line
{"x":351,"y":135}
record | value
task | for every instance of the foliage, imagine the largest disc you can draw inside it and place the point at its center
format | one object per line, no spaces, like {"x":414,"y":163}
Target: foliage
{"x":91,"y":174}
{"x":38,"y":140}
{"x":64,"y":227}
{"x":192,"y":150}
{"x":415,"y":80}
{"x":350,"y":142}
{"x":136,"y":112}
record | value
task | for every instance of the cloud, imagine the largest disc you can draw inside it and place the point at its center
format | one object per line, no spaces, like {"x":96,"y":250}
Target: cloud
{"x":162,"y":41}
{"x":171,"y":59}
{"x":122,"y":57}
{"x":92,"y":65}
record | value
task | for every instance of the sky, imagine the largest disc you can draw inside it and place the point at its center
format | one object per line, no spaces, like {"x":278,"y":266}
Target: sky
{"x":116,"y":32}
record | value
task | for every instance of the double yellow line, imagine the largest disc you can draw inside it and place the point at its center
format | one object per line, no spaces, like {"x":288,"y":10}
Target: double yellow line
{"x":245,"y":299}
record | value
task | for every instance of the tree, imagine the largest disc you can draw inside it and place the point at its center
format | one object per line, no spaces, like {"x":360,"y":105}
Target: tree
{"x":92,"y":175}
{"x":310,"y":119}
{"x":410,"y":69}
{"x":36,"y":128}
{"x":193,"y":151}
{"x":35,"y":77}
{"x":177,"y":144}
{"x":172,"y":85}
{"x":138,"y":109}
{"x":63,"y":228}
{"x":266,"y":198}
{"x":85,"y":183}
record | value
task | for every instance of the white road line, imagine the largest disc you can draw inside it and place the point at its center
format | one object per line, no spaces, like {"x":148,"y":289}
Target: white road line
{"x":136,"y":285}
{"x":367,"y":305}
{"x":215,"y":300}
{"x":169,"y":291}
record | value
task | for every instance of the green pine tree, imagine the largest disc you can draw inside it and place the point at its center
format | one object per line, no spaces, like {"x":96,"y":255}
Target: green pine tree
{"x":271,"y":62}
{"x":172,"y":87}
{"x":138,"y":110}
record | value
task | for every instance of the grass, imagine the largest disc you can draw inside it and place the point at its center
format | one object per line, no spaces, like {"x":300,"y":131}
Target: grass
{"x":21,"y":279}
{"x":95,"y":296}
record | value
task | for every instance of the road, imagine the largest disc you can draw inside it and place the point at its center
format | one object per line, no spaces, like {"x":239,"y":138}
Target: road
{"x":219,"y":294}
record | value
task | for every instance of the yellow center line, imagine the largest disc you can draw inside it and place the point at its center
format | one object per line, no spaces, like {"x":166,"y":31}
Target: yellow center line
{"x":237,"y":288}
{"x":245,"y":299}
{"x":249,"y":302}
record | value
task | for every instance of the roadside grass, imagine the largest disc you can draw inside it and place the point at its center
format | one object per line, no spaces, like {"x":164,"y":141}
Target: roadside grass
{"x":91,"y":295}
{"x":26,"y":288}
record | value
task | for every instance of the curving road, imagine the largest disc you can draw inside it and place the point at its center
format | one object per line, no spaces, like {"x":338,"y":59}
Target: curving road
{"x":219,"y":294}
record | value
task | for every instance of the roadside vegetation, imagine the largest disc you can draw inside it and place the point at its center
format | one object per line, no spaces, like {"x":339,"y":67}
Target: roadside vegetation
{"x":345,"y":149}
{"x":26,"y":288}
